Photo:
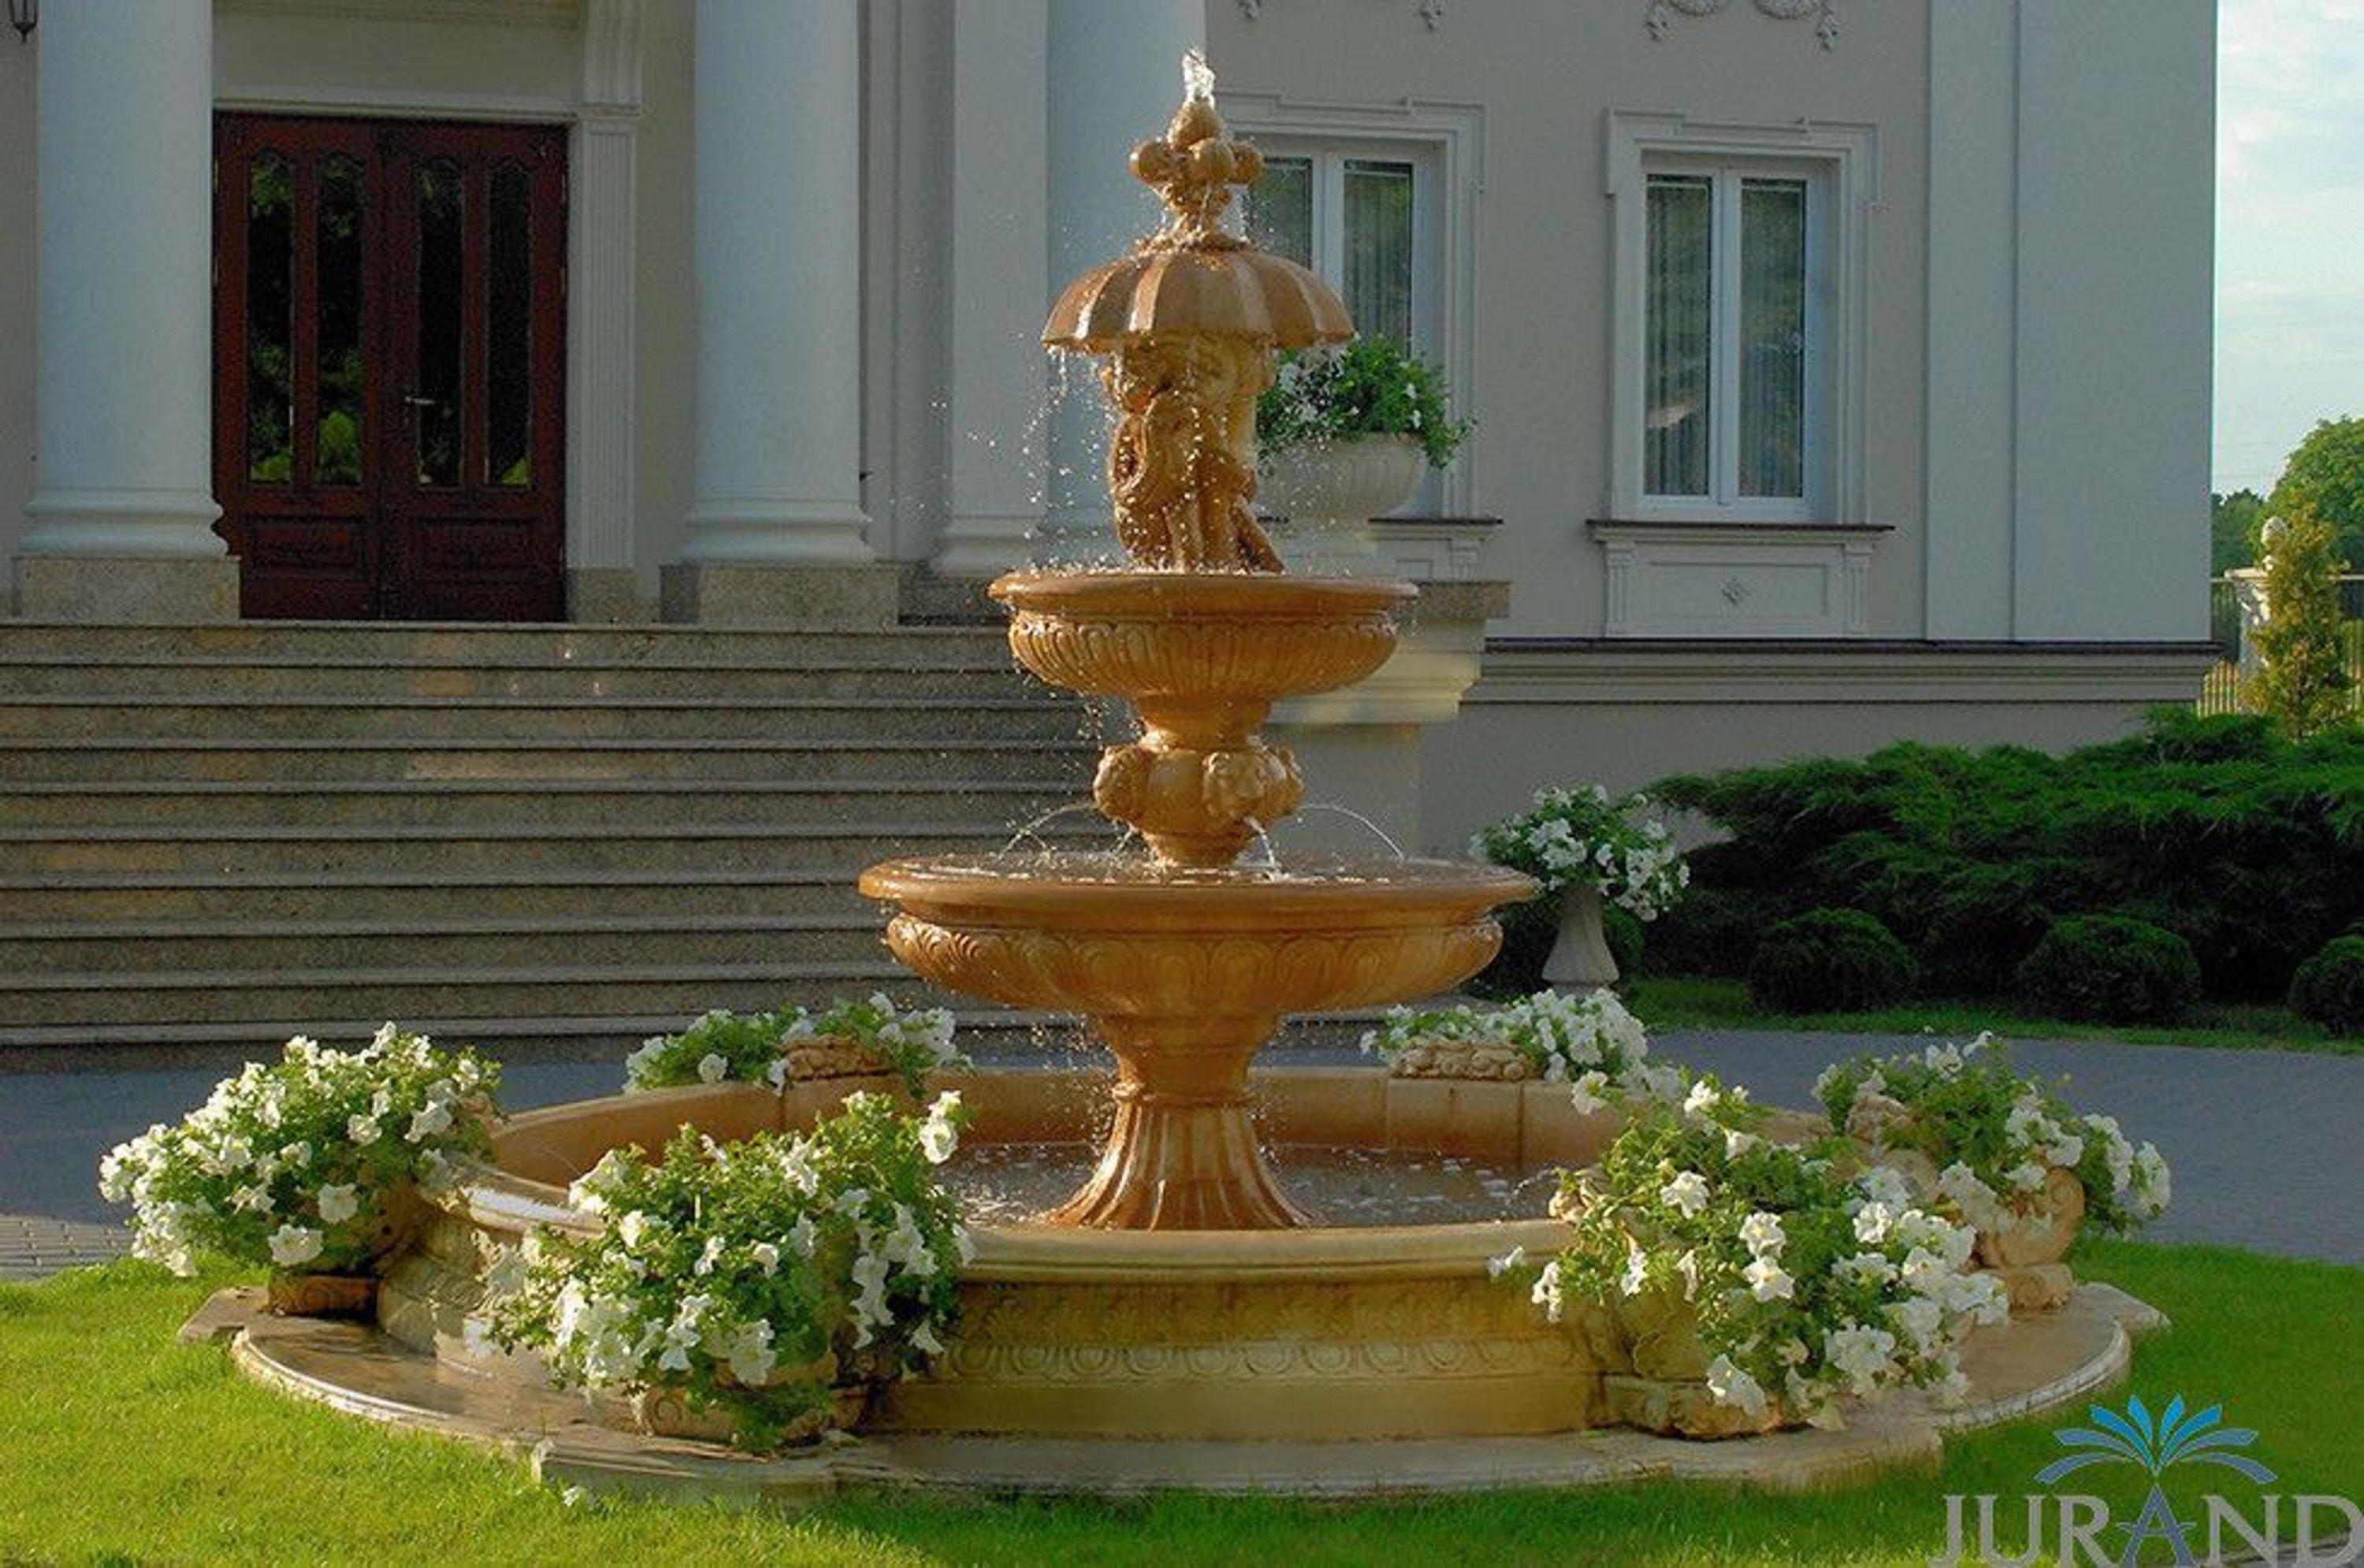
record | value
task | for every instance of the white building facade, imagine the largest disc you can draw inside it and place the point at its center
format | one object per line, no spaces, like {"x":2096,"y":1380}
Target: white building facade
{"x":1840,"y":371}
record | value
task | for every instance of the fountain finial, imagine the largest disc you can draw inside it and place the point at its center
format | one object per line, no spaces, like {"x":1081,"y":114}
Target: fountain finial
{"x":1194,"y":166}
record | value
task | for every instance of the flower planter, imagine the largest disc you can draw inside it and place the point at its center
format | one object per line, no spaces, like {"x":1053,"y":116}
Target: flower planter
{"x":665,"y":1409}
{"x":292,"y":1295}
{"x":1666,"y":1388}
{"x":1579,"y":960}
{"x":1328,"y":491}
{"x":2027,"y":1253}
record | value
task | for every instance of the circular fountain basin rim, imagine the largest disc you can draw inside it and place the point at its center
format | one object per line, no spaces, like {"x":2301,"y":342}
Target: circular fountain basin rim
{"x":1148,"y":595}
{"x":1058,"y":891}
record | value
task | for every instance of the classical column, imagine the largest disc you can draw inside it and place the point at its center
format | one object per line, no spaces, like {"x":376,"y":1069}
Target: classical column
{"x":602,"y":212}
{"x":777,"y":100}
{"x":1116,"y":71}
{"x":999,"y":239}
{"x":122,"y":508}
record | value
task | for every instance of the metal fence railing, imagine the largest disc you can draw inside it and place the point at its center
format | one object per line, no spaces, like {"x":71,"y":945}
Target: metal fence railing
{"x":2220,"y":689}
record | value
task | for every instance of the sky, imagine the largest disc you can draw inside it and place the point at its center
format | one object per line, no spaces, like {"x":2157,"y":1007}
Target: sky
{"x":2289,"y":228}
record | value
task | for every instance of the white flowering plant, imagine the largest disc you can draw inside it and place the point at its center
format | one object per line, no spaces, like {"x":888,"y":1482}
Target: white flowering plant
{"x":1371,"y":386}
{"x":1811,"y":1277}
{"x":723,"y":1045}
{"x":1586,"y":836}
{"x":758,"y":1275}
{"x":303,"y":1165}
{"x":1591,"y":1042}
{"x":1992,"y":1134}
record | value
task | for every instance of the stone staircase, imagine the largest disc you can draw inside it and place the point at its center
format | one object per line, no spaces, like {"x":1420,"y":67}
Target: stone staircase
{"x":507,"y":835}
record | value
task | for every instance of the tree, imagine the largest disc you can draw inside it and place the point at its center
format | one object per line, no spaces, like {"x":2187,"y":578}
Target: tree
{"x":2233,"y":530}
{"x":2325,"y":474}
{"x":2305,"y":682}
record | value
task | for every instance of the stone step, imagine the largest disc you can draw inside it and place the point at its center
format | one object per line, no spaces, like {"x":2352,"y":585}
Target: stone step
{"x":331,"y":643}
{"x":709,"y":850}
{"x":37,"y":758}
{"x":300,"y":1001}
{"x":245,"y":948}
{"x":426,"y":720}
{"x":479,"y":895}
{"x":66,"y":674}
{"x":586,"y":805}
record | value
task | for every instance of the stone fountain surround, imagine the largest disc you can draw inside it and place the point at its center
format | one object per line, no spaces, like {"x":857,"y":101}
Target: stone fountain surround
{"x":1337,"y":1362}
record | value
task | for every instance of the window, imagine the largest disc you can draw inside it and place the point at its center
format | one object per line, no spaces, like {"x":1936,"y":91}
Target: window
{"x":1357,"y":221}
{"x":1732,"y":398}
{"x":1739,"y":321}
{"x":1381,"y":200}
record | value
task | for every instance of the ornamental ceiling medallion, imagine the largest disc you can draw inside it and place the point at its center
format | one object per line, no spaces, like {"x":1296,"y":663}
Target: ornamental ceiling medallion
{"x":1660,"y":15}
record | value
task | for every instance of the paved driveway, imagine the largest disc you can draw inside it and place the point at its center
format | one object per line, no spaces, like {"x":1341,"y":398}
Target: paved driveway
{"x":2267,"y":1147}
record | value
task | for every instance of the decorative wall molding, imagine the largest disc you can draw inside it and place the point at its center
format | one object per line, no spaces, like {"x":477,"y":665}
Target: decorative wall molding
{"x":1430,"y":11}
{"x":557,"y":14}
{"x":1659,"y":17}
{"x":1736,"y":581}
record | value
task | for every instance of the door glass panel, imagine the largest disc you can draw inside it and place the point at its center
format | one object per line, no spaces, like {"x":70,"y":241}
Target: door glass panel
{"x":270,"y":318}
{"x":337,"y":452}
{"x":1677,"y":337}
{"x":442,"y":223}
{"x":1378,"y":248}
{"x":508,"y":350}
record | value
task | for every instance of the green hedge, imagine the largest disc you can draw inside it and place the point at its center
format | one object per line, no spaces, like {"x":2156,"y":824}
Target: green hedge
{"x":2247,"y":846}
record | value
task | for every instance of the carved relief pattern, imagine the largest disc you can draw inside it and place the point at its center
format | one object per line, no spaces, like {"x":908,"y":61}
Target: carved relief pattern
{"x":1195,"y":807}
{"x":1117,"y":1333}
{"x":1204,"y":659}
{"x":1659,"y":16}
{"x":1486,"y":1060}
{"x":1160,"y":974}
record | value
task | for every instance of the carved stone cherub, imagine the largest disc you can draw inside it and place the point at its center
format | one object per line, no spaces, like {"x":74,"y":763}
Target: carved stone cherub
{"x":1182,"y":463}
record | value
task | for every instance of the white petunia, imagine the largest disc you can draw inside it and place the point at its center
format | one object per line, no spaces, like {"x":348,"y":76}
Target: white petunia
{"x":924,"y":1340}
{"x":1688,"y":1192}
{"x":432,"y":1118}
{"x":292,"y":1245}
{"x":1585,"y":1094}
{"x":1762,"y":1234}
{"x":1733,"y":1386}
{"x":1871,"y":1223}
{"x":339,"y":1204}
{"x":1767,"y":1280}
{"x":1497,"y":1267}
{"x":712,"y":1068}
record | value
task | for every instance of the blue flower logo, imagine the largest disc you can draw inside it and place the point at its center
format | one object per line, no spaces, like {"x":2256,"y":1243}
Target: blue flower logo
{"x":2174,"y":1438}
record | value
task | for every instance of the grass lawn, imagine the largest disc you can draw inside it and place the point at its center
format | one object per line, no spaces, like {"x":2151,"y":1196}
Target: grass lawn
{"x":121,"y":1445}
{"x":1698,"y":1000}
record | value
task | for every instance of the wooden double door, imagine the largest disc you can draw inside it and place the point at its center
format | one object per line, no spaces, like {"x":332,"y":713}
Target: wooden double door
{"x":389,"y":367}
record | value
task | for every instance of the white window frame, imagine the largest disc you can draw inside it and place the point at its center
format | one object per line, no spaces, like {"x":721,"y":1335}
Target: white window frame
{"x":1444,"y":142}
{"x":1839,"y":165}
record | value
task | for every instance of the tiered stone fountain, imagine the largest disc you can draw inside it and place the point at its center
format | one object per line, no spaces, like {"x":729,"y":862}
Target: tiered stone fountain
{"x":1181,"y":1301}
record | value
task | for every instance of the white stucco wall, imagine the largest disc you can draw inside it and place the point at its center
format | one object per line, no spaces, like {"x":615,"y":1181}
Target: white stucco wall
{"x":1545,"y":78}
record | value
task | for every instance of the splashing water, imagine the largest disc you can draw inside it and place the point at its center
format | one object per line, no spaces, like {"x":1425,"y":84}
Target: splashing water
{"x":1198,"y":77}
{"x":1376,"y":831}
{"x":1264,"y":841}
{"x":1033,"y":829}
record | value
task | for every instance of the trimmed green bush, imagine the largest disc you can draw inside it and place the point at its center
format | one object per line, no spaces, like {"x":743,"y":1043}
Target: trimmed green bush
{"x":2249,"y":846}
{"x":2113,"y":969}
{"x":1831,"y":961}
{"x":2329,"y":988}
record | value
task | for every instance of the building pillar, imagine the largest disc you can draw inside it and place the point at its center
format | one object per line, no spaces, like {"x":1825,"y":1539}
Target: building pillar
{"x":776,"y":531}
{"x":123,"y":508}
{"x":998,"y":239}
{"x":1116,"y":77}
{"x":603,"y":276}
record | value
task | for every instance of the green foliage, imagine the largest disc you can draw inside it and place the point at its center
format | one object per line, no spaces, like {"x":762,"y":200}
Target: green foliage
{"x":2324,"y":475}
{"x":304,"y":1164}
{"x":2303,"y":683}
{"x":1992,"y":1134}
{"x":1827,"y":960}
{"x":2233,"y":530}
{"x":756,"y":1275}
{"x":2329,"y":986}
{"x":2247,"y":845}
{"x":1371,"y":386}
{"x":723,"y":1045}
{"x":2112,"y":969}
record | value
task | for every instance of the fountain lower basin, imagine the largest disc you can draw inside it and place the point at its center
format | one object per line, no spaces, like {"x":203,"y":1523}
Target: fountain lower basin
{"x":1184,"y":974}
